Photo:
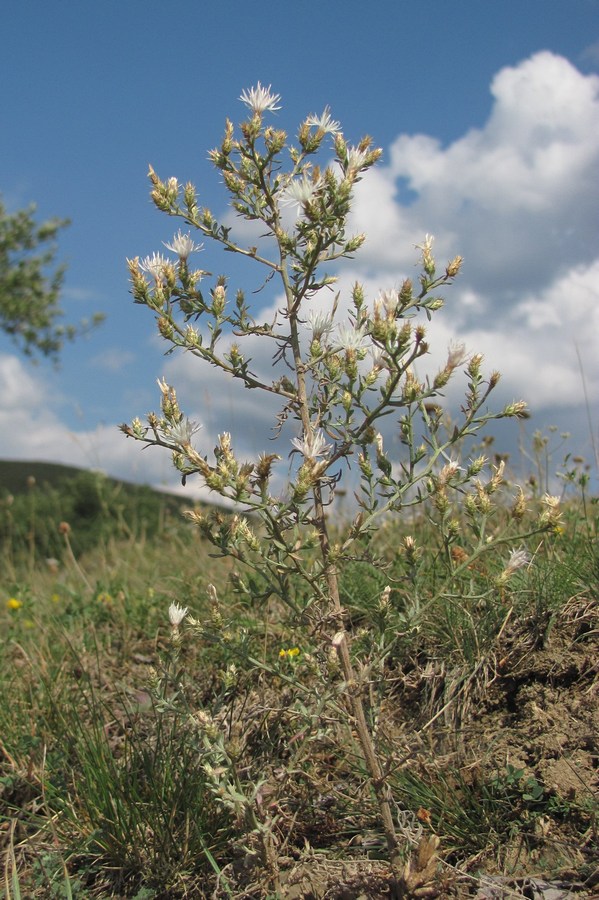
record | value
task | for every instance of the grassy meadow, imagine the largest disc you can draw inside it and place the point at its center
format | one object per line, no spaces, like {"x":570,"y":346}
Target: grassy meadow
{"x":145,"y":759}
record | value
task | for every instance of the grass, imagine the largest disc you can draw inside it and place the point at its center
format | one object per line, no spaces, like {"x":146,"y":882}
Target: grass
{"x":109,"y":786}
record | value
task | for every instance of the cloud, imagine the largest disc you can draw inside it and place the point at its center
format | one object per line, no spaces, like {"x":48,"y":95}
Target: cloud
{"x":78,"y":293}
{"x":590,"y":54}
{"x":113,"y":359}
{"x":517,"y":197}
{"x":32,"y":430}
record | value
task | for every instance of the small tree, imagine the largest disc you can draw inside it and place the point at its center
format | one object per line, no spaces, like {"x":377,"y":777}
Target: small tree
{"x":30,"y":285}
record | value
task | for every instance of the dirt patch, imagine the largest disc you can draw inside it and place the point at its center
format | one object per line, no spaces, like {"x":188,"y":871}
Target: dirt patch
{"x":528,"y":744}
{"x":543,"y":716}
{"x":527,"y":741}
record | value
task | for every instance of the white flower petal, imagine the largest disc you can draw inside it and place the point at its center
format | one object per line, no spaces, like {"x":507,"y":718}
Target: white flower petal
{"x":260,"y":99}
{"x":176,"y":614}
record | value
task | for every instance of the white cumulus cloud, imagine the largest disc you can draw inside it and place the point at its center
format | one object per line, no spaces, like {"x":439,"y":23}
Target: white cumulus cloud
{"x":517,"y":197}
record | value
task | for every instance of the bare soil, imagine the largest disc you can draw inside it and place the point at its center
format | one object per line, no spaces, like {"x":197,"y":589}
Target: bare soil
{"x":535,"y":714}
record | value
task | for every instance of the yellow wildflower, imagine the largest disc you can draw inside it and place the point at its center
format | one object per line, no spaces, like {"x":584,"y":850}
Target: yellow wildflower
{"x":13,"y":603}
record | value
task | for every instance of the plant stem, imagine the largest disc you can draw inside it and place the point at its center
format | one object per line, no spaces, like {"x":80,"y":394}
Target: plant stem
{"x":335,"y":613}
{"x":335,"y":610}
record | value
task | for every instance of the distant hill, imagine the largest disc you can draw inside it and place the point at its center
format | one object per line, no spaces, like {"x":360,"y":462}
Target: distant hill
{"x":16,"y":475}
{"x":36,"y":496}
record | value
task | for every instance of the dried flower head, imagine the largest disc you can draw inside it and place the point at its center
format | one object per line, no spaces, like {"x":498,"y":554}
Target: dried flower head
{"x":453,"y":267}
{"x":518,"y":559}
{"x":428,"y":262}
{"x":449,"y":471}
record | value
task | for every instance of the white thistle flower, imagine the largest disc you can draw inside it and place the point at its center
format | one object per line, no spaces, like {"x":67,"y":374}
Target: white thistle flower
{"x":518,"y":559}
{"x":183,"y":245}
{"x":389,"y":299}
{"x":299,"y":192}
{"x":456,"y":354}
{"x":176,"y":614}
{"x":154,"y":265}
{"x":320,"y":323}
{"x":260,"y":99}
{"x":313,"y":446}
{"x":183,"y":431}
{"x":356,"y":158}
{"x":324,"y":122}
{"x":379,"y":360}
{"x":351,"y":338}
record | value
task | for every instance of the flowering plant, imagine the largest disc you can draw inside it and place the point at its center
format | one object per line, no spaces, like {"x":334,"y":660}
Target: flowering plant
{"x":341,"y":366}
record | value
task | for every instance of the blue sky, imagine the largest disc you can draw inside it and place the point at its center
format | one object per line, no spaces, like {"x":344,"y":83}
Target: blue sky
{"x":488,"y":117}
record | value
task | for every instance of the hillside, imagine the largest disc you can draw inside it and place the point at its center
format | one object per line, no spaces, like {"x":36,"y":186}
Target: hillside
{"x":35,"y":497}
{"x":15,"y":475}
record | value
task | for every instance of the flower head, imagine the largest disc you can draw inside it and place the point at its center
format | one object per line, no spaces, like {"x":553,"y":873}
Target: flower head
{"x":183,"y":431}
{"x":324,"y":122}
{"x":551,"y":515}
{"x":299,"y":192}
{"x":154,"y":265}
{"x":456,"y":354}
{"x":176,"y":614}
{"x":356,"y":158}
{"x":320,"y":323}
{"x":312,"y":446}
{"x":428,"y":261}
{"x":427,"y":244}
{"x":450,"y":470}
{"x":351,"y":338}
{"x":260,"y":99}
{"x":13,"y":603}
{"x":518,"y":559}
{"x":389,"y":300}
{"x":379,"y":360}
{"x":183,"y":245}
